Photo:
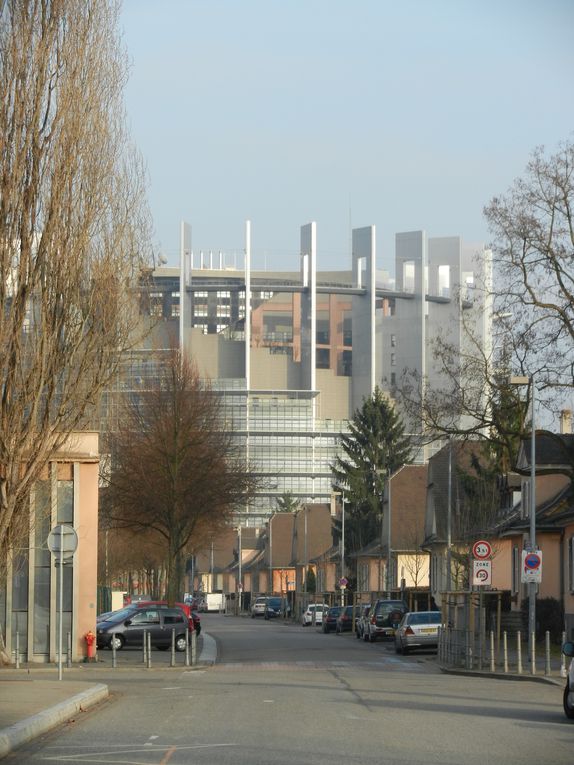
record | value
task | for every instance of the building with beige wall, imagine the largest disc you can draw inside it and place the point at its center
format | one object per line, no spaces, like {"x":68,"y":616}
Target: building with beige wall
{"x":66,"y":494}
{"x":293,"y":353}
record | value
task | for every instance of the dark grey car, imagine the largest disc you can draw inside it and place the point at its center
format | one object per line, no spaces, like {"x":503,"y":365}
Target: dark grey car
{"x":158,"y":622}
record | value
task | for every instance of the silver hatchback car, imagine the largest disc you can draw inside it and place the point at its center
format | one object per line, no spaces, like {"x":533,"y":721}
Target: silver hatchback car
{"x":418,"y":629}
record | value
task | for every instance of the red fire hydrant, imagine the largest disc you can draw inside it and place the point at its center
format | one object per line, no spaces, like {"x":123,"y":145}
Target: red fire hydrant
{"x":90,"y":639}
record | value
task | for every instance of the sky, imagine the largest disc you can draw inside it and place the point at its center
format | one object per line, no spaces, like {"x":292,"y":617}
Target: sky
{"x":403,"y":114}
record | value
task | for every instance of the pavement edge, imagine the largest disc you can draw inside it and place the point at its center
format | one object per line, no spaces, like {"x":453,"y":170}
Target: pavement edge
{"x":31,"y":727}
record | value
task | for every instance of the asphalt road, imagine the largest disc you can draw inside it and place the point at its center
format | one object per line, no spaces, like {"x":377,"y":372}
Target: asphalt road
{"x":286,"y":694}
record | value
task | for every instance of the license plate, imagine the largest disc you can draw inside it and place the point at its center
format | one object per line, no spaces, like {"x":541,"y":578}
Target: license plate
{"x":428,"y":631}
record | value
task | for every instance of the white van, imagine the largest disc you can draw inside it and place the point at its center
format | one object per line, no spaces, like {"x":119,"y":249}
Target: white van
{"x":215,"y":601}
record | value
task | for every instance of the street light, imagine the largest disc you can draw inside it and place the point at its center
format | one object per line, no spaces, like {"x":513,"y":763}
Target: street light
{"x":531,"y":585}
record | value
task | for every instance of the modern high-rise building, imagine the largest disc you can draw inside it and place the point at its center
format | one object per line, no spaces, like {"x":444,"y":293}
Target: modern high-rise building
{"x":294,"y":353}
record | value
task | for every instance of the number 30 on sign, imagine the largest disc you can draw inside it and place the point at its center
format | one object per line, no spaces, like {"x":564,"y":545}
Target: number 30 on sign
{"x":482,"y":572}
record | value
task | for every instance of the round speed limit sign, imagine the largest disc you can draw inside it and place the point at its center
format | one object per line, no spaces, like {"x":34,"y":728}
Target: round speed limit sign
{"x":481,"y":550}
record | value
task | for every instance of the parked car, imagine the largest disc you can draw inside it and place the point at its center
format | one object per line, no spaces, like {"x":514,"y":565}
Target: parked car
{"x":194,"y":620}
{"x":330,"y":618}
{"x":193,"y":616}
{"x":345,"y":620}
{"x":313,"y":614}
{"x":383,"y":619}
{"x":276,"y":607}
{"x":361,"y":617}
{"x":418,"y":629}
{"x":158,"y":622}
{"x":258,"y":607}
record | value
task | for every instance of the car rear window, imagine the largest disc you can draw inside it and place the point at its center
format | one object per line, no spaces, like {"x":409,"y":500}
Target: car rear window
{"x":425,"y":618}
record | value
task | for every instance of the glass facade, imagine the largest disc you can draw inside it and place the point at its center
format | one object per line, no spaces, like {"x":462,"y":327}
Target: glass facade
{"x":33,"y":616}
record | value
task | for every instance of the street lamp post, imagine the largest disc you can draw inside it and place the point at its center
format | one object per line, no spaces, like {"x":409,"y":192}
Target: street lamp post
{"x":531,"y":585}
{"x":240,"y":571}
{"x":342,"y":534}
{"x":449,"y":523}
{"x":389,"y":540}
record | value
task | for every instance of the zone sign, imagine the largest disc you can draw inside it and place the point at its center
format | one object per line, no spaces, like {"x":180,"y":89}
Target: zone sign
{"x":481,"y":550}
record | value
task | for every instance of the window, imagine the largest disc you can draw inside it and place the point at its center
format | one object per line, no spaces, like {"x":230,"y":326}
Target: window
{"x":393,"y":341}
{"x":516,"y":562}
{"x":393,"y":359}
{"x":200,"y":310}
{"x":173,"y":619}
{"x":175,"y":310}
{"x":198,"y":295}
{"x":224,"y":310}
{"x":393,"y":379}
{"x":223,"y":294}
{"x":146,"y":616}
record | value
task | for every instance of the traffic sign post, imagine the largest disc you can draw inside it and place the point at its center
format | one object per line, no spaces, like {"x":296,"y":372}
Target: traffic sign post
{"x":531,"y":566}
{"x":482,"y":572}
{"x":62,"y":542}
{"x":481,"y":550}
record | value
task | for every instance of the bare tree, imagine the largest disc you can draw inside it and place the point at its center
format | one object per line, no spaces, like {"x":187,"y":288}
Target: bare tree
{"x":74,"y":231}
{"x":533,"y":227}
{"x":176,"y":471}
{"x":532,"y":312}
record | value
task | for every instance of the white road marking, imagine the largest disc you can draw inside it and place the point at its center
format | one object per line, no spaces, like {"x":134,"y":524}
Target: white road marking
{"x":106,"y":755}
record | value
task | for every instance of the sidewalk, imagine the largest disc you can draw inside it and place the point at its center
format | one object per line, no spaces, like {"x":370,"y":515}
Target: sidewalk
{"x":32,"y":702}
{"x":32,"y":705}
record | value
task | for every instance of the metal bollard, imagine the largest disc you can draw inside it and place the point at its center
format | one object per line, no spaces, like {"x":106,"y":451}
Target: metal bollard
{"x":114,"y":652}
{"x":69,"y":650}
{"x":563,"y":672}
{"x":17,"y":650}
{"x":519,"y":652}
{"x":533,"y":654}
{"x":492,"y":662}
{"x":193,"y":648}
{"x":187,"y":639}
{"x":144,"y":653}
{"x":148,"y":650}
{"x":505,"y":650}
{"x":547,"y":646}
{"x":172,"y":660}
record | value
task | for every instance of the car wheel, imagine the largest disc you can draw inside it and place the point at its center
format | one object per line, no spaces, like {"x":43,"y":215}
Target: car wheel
{"x":198,"y":631}
{"x":398,"y":648}
{"x":568,"y":708}
{"x":180,"y":642}
{"x":405,"y":650}
{"x":117,"y":642}
{"x":366,"y":637}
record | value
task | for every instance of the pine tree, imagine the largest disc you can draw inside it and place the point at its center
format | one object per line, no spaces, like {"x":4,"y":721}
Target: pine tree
{"x":375,"y":447}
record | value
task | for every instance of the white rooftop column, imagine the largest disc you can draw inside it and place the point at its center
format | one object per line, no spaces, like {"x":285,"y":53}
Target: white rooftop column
{"x":185,"y":266}
{"x":247,"y":322}
{"x":363,"y":313}
{"x":309,"y":306}
{"x":409,"y":322}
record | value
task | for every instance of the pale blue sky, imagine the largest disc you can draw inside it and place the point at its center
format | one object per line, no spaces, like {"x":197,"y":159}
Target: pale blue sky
{"x":408,"y":114}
